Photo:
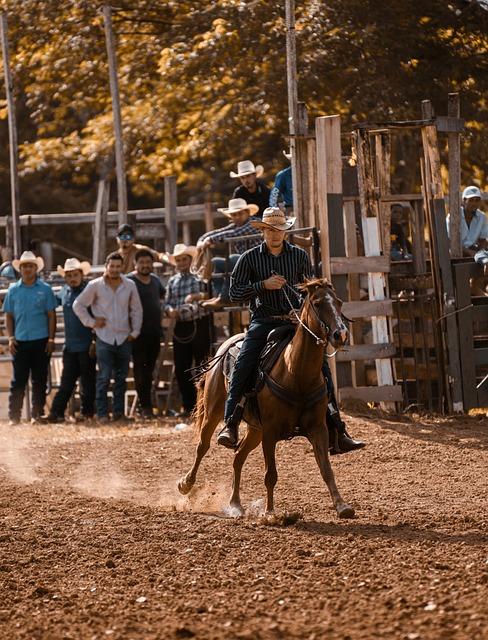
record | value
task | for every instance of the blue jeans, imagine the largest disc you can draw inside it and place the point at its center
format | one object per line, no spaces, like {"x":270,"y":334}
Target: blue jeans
{"x":245,"y":369}
{"x":220,"y":286}
{"x":112,"y":358}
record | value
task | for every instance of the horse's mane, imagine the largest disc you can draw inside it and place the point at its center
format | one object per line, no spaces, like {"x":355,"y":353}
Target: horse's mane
{"x":312,"y":283}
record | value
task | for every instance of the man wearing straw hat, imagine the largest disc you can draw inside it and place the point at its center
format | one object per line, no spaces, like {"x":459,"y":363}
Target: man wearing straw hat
{"x":191,"y":334}
{"x":241,"y":214}
{"x":259,"y":277}
{"x":31,"y":326}
{"x":252,"y":189}
{"x":78,"y":358}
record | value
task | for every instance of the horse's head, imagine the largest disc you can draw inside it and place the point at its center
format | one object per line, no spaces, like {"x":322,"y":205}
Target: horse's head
{"x":323,"y":305}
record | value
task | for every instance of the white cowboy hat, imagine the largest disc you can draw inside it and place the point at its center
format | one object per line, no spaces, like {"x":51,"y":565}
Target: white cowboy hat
{"x":73,"y":264}
{"x":182,"y":249}
{"x":239,"y":204}
{"x":274,"y":218}
{"x":245,"y":168}
{"x":287,"y":154}
{"x":28,"y":258}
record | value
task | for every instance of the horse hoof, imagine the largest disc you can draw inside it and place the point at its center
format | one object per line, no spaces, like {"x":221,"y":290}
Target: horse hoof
{"x":345,"y":511}
{"x":184,"y":486}
{"x":235,"y":509}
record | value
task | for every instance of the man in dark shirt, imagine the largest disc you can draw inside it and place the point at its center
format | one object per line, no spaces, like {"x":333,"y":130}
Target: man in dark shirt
{"x":251,"y":189}
{"x":259,"y":277}
{"x":78,"y":360}
{"x":146,"y":346}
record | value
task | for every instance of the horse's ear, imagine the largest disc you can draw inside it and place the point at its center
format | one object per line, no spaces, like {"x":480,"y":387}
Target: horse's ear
{"x":309,"y":286}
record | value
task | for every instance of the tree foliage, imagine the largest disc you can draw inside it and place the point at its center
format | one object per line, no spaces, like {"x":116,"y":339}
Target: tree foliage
{"x":204,"y":84}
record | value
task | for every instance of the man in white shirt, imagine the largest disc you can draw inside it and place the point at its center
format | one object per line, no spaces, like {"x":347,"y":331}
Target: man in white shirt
{"x":111,"y":306}
{"x":474,"y":224}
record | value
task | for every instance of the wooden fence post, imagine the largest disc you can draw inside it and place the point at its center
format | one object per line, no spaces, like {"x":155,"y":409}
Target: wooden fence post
{"x":12,"y":135}
{"x":454,"y":144}
{"x":117,"y":118}
{"x":170,"y":212}
{"x":100,"y":226}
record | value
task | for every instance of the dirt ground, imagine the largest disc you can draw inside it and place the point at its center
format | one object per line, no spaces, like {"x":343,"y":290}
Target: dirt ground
{"x":96,"y":542}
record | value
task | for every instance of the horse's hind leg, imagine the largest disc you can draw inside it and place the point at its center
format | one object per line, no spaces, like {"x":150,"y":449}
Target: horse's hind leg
{"x":271,"y":476}
{"x":209,"y":412}
{"x":319,"y":440}
{"x":248,"y":443}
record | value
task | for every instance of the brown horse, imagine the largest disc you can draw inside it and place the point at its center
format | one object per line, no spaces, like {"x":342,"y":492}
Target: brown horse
{"x":299,"y":372}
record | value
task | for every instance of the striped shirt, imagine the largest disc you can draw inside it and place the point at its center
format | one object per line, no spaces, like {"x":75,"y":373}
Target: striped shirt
{"x":259,"y":264}
{"x":233,"y":231}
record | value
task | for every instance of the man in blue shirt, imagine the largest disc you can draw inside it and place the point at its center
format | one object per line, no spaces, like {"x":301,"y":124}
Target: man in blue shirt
{"x":283,"y":188}
{"x":31,"y":325}
{"x":474,"y":225}
{"x":78,"y":361}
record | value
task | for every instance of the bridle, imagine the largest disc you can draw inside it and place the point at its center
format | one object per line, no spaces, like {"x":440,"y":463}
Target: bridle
{"x":323,"y":326}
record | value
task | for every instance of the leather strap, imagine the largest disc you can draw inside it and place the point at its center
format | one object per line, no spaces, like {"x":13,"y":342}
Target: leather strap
{"x":292,"y":398}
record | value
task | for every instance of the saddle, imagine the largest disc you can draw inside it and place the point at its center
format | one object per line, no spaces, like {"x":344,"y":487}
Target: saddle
{"x":276,"y":342}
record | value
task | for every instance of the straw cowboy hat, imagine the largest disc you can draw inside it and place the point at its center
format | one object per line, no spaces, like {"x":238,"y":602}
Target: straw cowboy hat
{"x":245,"y":168}
{"x":239,"y":204}
{"x":73,"y":264}
{"x":274,"y":218}
{"x":28,"y":258}
{"x":182,"y":249}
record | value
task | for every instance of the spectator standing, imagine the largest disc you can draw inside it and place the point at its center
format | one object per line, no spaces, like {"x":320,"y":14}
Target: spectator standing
{"x":127,"y":248}
{"x":283,"y":188}
{"x":252,"y":189}
{"x":191,"y":337}
{"x":474,"y":225}
{"x":146,"y":346}
{"x":31,"y":326}
{"x":78,"y":357}
{"x":116,"y":317}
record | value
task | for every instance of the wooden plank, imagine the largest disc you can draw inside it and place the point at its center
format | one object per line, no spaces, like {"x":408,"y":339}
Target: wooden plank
{"x":367,"y":308}
{"x":452,"y":123}
{"x":385,"y":393}
{"x":366,"y":352}
{"x":410,"y":369}
{"x":481,"y":356}
{"x":360,"y":264}
{"x":418,"y":238}
{"x":383,"y":157}
{"x":454,"y":145}
{"x":407,"y":340}
{"x":148,"y":231}
{"x":400,"y":197}
{"x":466,"y":343}
{"x":185,"y":213}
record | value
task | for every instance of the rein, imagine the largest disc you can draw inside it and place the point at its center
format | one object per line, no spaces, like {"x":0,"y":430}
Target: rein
{"x":319,"y":341}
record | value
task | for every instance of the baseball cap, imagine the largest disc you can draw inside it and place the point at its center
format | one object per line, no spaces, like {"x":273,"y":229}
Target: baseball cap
{"x":125,"y":232}
{"x":471,"y":192}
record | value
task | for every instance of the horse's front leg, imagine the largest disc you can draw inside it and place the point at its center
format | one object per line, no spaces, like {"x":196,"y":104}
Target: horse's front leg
{"x":248,"y":443}
{"x":271,"y":477}
{"x":319,"y":439}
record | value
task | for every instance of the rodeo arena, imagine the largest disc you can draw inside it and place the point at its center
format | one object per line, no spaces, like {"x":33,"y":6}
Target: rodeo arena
{"x":261,"y":417}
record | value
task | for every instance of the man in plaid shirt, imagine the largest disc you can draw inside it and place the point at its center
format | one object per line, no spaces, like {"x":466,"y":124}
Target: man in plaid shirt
{"x":191,"y":334}
{"x":242,"y":214}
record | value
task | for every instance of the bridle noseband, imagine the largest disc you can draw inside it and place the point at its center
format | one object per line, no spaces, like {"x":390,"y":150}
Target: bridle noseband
{"x":323,"y":326}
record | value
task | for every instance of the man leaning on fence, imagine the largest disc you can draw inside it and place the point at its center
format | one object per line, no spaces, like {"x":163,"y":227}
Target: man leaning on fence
{"x":31,"y":326}
{"x":116,"y":317}
{"x":78,"y":357}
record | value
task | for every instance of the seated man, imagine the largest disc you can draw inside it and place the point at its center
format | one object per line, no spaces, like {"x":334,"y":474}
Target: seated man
{"x":241,"y":213}
{"x":255,"y":280}
{"x":127,"y":248}
{"x":474,"y":234}
{"x":252,"y":189}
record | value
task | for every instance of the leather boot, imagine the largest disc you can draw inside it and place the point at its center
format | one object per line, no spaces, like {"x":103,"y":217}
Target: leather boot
{"x":340,"y":440}
{"x":229,"y":436}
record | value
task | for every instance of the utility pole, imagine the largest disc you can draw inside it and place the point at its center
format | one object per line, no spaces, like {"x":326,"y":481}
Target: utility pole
{"x":15,"y":241}
{"x":117,"y":118}
{"x":297,"y":123}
